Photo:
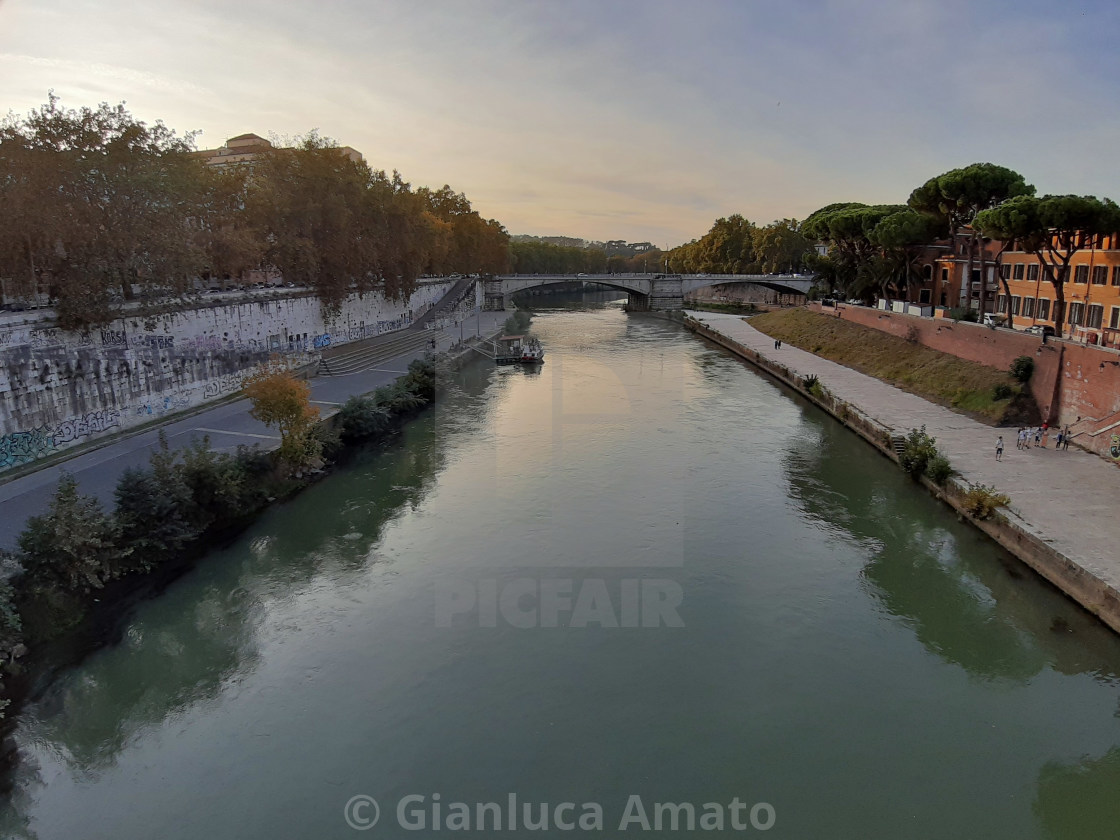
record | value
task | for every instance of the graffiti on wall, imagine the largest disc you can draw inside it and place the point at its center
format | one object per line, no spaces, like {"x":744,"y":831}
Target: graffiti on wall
{"x":22,"y":447}
{"x":113,"y":338}
{"x":226,"y":384}
{"x":86,"y":425}
{"x":155,"y":342}
{"x":43,"y":337}
{"x":168,"y":404}
{"x":323,"y":340}
{"x":395,"y":324}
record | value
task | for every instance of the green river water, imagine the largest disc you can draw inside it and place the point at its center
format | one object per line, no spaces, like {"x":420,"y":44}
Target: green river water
{"x":643,"y":571}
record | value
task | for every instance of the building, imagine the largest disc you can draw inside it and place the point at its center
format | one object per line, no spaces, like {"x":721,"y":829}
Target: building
{"x":944,"y":266}
{"x":1092,"y":293}
{"x":245,"y":148}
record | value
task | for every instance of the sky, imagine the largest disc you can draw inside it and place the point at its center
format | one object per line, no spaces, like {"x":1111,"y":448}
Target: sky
{"x":642,"y":120}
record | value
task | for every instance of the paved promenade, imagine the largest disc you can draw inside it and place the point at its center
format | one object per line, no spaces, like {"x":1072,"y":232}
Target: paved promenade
{"x":228,"y":426}
{"x":1068,"y":499}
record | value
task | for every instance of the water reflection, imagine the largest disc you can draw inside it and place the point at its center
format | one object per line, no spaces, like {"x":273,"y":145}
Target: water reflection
{"x":966,"y":599}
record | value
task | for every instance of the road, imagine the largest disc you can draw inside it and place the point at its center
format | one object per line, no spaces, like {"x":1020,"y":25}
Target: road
{"x":227,"y":426}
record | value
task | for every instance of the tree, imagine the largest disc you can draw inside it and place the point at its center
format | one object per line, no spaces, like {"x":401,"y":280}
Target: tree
{"x":846,"y":227}
{"x":1053,"y":228}
{"x":72,"y":546}
{"x":281,"y":400}
{"x":781,"y":247}
{"x":155,"y":509}
{"x":902,"y":237}
{"x":96,"y":203}
{"x":955,"y":197}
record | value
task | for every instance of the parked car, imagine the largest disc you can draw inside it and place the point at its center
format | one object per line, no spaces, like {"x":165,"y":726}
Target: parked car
{"x":1044,"y":330}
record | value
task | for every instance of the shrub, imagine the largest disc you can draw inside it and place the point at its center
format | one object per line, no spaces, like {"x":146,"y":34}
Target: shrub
{"x":939,"y":469}
{"x":155,"y":510}
{"x":917,"y":451}
{"x":219,"y":484}
{"x":1001,"y":391}
{"x":361,"y":418}
{"x":962,"y":313}
{"x":72,"y":546}
{"x":281,"y":400}
{"x":1022,"y":368}
{"x":982,"y":500}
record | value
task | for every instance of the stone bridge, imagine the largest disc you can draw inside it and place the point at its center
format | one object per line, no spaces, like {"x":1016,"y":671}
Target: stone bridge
{"x":646,"y":291}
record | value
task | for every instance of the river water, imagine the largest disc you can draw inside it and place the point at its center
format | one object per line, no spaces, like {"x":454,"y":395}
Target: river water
{"x":643,"y":570}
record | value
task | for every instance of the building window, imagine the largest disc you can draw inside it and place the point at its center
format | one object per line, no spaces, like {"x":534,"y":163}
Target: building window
{"x":1043,"y":309}
{"x":927,"y":273}
{"x":1081,"y":274}
{"x":1001,"y":304}
{"x":1017,"y":271}
{"x":1096,"y":316}
{"x":1114,"y":319}
{"x":1100,"y":275}
{"x":1015,"y":301}
{"x":945,"y":274}
{"x":1005,"y":271}
{"x":1032,"y":273}
{"x":1076,"y":314}
{"x":925,"y":295}
{"x":1116,"y":275}
{"x":1028,"y":307}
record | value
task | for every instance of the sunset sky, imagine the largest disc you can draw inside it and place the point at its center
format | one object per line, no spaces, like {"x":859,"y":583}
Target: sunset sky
{"x":633,"y":120}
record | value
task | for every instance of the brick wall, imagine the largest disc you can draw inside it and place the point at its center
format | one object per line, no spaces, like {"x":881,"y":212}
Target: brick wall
{"x":1071,"y":382}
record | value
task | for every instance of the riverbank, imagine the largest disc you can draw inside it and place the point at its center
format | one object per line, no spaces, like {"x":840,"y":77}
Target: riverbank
{"x":1061,"y":520}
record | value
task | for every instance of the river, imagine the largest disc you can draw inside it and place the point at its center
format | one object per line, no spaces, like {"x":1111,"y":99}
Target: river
{"x":644,"y":570}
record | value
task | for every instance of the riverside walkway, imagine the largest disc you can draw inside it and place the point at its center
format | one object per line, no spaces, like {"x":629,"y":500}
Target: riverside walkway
{"x":1066,"y":499}
{"x":227,"y":426}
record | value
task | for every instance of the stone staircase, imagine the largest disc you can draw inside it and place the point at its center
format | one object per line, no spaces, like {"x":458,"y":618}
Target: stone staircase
{"x":368,"y":354}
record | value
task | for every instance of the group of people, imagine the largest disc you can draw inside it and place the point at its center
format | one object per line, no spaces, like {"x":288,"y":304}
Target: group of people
{"x":1038,"y":437}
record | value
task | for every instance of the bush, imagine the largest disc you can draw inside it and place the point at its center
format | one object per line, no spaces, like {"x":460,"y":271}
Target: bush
{"x":361,"y":418}
{"x":917,"y":452}
{"x":72,"y":547}
{"x":1001,"y":391}
{"x":219,"y":483}
{"x":1022,"y":368}
{"x":939,"y":469}
{"x":981,"y":501}
{"x":963,"y":313}
{"x":155,"y":510}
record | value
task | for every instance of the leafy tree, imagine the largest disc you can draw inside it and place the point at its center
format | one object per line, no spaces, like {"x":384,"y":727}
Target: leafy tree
{"x":955,"y":197}
{"x":73,"y":545}
{"x":1053,"y":228}
{"x":781,"y":247}
{"x":281,"y":400}
{"x":155,"y":510}
{"x":847,"y":227}
{"x":902,"y":238}
{"x":94,"y":203}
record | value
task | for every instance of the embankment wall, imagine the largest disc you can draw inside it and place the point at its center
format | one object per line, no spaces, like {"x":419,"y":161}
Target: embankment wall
{"x":1073,"y":384}
{"x":60,"y":389}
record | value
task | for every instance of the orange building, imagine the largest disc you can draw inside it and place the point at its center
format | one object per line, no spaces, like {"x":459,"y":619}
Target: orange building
{"x":944,"y":266}
{"x":1092,"y":293}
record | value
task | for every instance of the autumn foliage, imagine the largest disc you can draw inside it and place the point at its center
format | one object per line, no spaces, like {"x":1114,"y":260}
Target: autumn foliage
{"x":281,"y":400}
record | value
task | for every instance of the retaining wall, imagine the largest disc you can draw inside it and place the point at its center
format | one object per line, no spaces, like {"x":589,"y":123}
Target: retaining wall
{"x":1073,"y":384}
{"x":60,"y":389}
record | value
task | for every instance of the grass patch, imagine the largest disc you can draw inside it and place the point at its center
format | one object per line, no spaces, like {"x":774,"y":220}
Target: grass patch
{"x":943,"y":378}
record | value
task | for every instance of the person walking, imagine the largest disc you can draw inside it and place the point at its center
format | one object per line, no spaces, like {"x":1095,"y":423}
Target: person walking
{"x":1065,"y":439}
{"x":999,"y":448}
{"x":1022,"y":438}
{"x":1058,"y":440}
{"x":1037,"y":436}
